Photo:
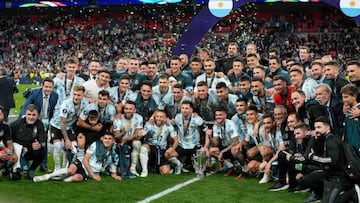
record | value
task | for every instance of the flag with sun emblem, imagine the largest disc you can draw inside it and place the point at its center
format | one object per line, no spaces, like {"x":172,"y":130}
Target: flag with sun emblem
{"x":350,"y":8}
{"x":220,"y":8}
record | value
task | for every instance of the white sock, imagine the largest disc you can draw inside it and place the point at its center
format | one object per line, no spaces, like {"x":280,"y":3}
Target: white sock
{"x":57,"y":155}
{"x":144,"y":158}
{"x":174,"y":161}
{"x":59,"y":172}
{"x":68,"y":179}
{"x":135,"y":154}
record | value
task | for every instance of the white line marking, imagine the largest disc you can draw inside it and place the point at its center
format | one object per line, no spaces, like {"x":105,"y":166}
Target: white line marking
{"x":170,"y":190}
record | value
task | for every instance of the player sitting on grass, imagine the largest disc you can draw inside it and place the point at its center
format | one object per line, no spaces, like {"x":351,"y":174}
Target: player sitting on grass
{"x":100,"y":158}
{"x":156,"y":146}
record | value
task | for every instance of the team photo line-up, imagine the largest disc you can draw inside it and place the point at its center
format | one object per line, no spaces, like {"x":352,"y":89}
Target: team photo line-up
{"x":289,"y":121}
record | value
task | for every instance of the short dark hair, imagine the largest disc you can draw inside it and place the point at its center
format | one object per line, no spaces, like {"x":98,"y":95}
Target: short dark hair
{"x":188,"y":102}
{"x":93,"y":114}
{"x":32,"y":107}
{"x":104,"y":71}
{"x":221,"y":85}
{"x":104,"y":93}
{"x":354,"y":62}
{"x":279,"y":77}
{"x":48,"y":79}
{"x":202,"y":83}
{"x":196,"y":59}
{"x":323,"y":119}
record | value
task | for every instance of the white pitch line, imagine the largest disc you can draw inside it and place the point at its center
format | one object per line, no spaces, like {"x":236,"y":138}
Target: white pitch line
{"x":169,"y":190}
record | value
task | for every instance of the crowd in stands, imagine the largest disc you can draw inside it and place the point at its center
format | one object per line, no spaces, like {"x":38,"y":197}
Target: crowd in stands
{"x":274,"y":116}
{"x":36,"y":44}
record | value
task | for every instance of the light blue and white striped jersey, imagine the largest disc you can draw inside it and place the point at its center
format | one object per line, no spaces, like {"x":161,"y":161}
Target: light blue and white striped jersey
{"x":116,"y":98}
{"x":134,"y":123}
{"x":158,"y":136}
{"x":240,"y":122}
{"x":96,"y":164}
{"x":271,"y":140}
{"x":212,"y":82}
{"x":68,"y":110}
{"x":59,"y":86}
{"x":225,"y":133}
{"x":107,"y":114}
{"x":188,"y":131}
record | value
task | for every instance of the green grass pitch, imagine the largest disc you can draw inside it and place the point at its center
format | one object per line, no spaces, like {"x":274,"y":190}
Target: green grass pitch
{"x":214,"y":188}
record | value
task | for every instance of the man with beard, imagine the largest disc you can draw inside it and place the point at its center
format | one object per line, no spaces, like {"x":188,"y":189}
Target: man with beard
{"x":180,"y":76}
{"x":205,"y":103}
{"x":210,"y":76}
{"x":223,"y":97}
{"x":331,"y":181}
{"x":127,"y":131}
{"x":225,"y":64}
{"x":62,"y":124}
{"x":94,"y":67}
{"x":336,"y":79}
{"x":92,"y":87}
{"x":283,"y":93}
{"x":263,"y":102}
{"x":162,"y":88}
{"x":152,"y":74}
{"x":188,"y":126}
{"x":224,"y":138}
{"x":171,"y":103}
{"x":146,"y":102}
{"x":156,"y":148}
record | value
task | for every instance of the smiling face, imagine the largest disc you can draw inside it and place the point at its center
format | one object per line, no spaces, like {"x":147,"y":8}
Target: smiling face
{"x":94,"y":67}
{"x":297,"y":99}
{"x":31,"y":116}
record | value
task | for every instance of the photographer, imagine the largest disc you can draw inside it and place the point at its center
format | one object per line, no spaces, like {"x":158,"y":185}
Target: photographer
{"x":29,"y":138}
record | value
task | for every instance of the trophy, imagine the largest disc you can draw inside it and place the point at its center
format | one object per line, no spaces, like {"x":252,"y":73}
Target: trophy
{"x":199,"y":163}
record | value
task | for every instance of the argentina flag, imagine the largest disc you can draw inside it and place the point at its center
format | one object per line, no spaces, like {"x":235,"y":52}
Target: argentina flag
{"x":350,"y":8}
{"x":220,"y":8}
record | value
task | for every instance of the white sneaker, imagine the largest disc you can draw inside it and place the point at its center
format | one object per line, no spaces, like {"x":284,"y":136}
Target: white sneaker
{"x":133,"y":171}
{"x":45,"y":177}
{"x":178,"y":169}
{"x":144,"y":174}
{"x":265,"y":179}
{"x":357,"y":190}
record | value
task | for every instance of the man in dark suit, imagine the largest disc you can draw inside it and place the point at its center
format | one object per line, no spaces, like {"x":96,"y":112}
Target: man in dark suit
{"x":8,"y":89}
{"x":333,"y":106}
{"x":44,"y":99}
{"x":335,"y":79}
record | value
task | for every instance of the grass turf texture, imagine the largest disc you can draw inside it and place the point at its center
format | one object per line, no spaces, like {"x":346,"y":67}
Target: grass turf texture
{"x":214,"y":188}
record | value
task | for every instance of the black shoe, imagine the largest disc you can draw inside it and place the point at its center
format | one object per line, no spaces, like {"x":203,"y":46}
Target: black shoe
{"x":45,"y":169}
{"x":30,"y":174}
{"x":298,"y":189}
{"x":278,"y":186}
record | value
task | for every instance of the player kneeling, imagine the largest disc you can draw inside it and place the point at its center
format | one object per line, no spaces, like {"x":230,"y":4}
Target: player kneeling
{"x":100,"y":158}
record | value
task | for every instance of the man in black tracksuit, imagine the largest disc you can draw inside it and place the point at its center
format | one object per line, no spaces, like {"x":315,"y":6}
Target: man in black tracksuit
{"x":330,"y":180}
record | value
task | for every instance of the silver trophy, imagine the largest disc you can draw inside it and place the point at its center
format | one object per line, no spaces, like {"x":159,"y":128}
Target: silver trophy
{"x":199,"y":163}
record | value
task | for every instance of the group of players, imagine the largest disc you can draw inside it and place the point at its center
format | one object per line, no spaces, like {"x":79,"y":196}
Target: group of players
{"x":246,"y":118}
